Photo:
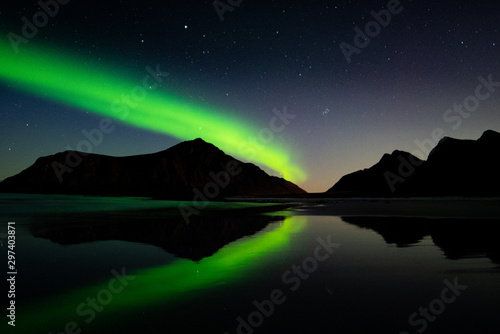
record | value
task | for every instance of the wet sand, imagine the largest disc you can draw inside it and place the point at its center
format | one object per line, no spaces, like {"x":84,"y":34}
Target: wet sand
{"x":392,"y":207}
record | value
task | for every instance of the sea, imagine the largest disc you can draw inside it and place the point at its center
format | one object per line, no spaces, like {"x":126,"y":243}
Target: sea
{"x":77,"y":264}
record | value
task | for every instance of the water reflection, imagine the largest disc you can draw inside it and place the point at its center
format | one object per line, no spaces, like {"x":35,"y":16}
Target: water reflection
{"x":202,"y":237}
{"x":457,"y":238}
{"x":168,"y":285}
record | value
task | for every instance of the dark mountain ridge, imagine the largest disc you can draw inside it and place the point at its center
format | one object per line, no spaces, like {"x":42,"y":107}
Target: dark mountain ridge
{"x":455,"y":167}
{"x":180,"y":172}
{"x":371,"y":181}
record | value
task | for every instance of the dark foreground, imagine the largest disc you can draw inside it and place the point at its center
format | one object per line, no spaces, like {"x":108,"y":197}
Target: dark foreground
{"x":108,"y":265}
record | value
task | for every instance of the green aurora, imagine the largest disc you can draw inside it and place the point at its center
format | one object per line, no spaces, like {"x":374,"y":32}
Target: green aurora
{"x":85,"y":84}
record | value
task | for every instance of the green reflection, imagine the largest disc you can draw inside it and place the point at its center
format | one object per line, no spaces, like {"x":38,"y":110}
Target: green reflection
{"x":232,"y":263}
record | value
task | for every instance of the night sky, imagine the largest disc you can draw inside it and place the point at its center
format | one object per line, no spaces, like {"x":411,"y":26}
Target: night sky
{"x":264,"y":58}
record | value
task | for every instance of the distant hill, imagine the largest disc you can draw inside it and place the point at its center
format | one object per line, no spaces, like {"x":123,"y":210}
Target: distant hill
{"x":372,"y":181}
{"x":180,"y":172}
{"x":454,"y":167}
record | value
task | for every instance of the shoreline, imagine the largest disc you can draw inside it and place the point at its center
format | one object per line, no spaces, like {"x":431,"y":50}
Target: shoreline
{"x":424,"y":207}
{"x":442,"y":207}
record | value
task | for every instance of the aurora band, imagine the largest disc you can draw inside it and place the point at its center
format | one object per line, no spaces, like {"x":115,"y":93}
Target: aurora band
{"x":85,"y":84}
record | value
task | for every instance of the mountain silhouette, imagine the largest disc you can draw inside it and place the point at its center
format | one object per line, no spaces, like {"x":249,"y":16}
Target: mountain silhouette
{"x":184,"y":171}
{"x":372,"y":182}
{"x":455,"y":167}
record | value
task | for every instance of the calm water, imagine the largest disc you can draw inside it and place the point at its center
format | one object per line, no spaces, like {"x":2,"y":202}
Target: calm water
{"x":115,"y":265}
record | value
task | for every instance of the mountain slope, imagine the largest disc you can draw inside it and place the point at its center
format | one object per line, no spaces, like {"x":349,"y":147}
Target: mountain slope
{"x":376,"y":180}
{"x":458,"y":167}
{"x":455,"y":167}
{"x":180,"y":172}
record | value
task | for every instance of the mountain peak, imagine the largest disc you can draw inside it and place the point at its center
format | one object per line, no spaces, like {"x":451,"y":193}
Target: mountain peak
{"x":455,"y":167}
{"x":395,"y":158}
{"x":198,"y":141}
{"x":490,"y":135}
{"x":174,"y":173}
